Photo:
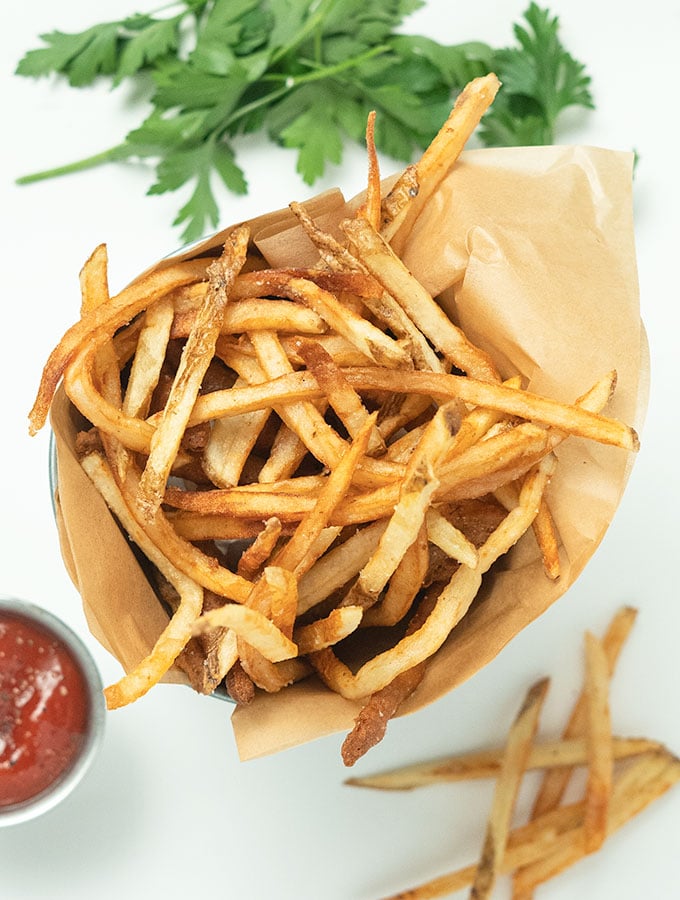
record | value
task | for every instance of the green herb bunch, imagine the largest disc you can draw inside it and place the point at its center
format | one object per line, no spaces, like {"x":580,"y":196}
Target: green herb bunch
{"x":306,"y":73}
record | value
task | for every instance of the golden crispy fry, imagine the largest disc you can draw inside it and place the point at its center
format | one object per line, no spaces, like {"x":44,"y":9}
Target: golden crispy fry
{"x":417,"y":490}
{"x":179,"y":629}
{"x":335,"y":488}
{"x":148,"y":359}
{"x":439,"y":157}
{"x":328,"y":631}
{"x":376,"y":254}
{"x":404,"y":586}
{"x":513,"y":766}
{"x":251,"y":625}
{"x":554,"y":784}
{"x":94,"y":280}
{"x":255,"y":314}
{"x":256,"y":555}
{"x":101,"y":323}
{"x":450,"y":539}
{"x":340,"y":394}
{"x":195,"y":360}
{"x":574,"y":419}
{"x":551,"y":755}
{"x":599,"y":740}
{"x":338,"y":566}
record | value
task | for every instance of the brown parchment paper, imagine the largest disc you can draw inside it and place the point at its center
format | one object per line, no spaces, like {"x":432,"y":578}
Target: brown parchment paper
{"x":531,"y":251}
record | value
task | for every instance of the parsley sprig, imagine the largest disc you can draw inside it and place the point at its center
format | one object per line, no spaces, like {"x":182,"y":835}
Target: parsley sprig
{"x":307,"y":73}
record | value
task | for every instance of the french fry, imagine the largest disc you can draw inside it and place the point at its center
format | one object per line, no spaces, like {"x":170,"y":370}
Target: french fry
{"x":179,"y":629}
{"x":599,"y":740}
{"x":554,"y":784}
{"x":440,"y":156}
{"x":328,"y":631}
{"x":195,"y":360}
{"x":370,"y":209}
{"x":513,"y":766}
{"x":416,"y":493}
{"x":550,"y":755}
{"x":255,"y":556}
{"x":429,"y":318}
{"x":371,"y":723}
{"x":554,"y":841}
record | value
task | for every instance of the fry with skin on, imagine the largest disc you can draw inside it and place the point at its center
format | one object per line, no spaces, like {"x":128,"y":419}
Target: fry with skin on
{"x":451,"y":605}
{"x":196,"y":357}
{"x":371,"y":723}
{"x":554,"y":840}
{"x":255,"y":556}
{"x":440,"y":156}
{"x":549,"y":755}
{"x":554,"y":783}
{"x":376,"y":254}
{"x":513,"y":766}
{"x":599,"y":740}
{"x":169,"y":644}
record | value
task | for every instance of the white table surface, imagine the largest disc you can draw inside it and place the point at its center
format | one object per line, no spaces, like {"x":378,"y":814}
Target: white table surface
{"x":168,"y":810}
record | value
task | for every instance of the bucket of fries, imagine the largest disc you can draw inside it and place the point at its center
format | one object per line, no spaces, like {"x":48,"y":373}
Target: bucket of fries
{"x":333,"y":459}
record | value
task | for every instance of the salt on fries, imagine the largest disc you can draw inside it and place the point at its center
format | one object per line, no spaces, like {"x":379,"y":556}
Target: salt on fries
{"x":303,"y":453}
{"x":624,"y":775}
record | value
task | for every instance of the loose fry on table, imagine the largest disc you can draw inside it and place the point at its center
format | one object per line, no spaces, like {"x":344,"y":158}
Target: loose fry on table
{"x":549,"y":755}
{"x":599,"y":741}
{"x":556,"y":837}
{"x":513,"y":766}
{"x":314,"y":454}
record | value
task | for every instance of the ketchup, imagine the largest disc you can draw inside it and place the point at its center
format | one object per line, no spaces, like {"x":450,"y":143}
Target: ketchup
{"x":44,"y":709}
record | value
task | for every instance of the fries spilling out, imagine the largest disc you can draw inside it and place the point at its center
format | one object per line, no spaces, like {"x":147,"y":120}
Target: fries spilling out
{"x":624,"y":775}
{"x":316,"y":462}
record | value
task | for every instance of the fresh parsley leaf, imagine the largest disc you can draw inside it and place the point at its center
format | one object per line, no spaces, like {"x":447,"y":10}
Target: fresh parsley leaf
{"x":149,"y":40}
{"x":306,"y":73}
{"x":316,"y":135}
{"x":540,"y":79}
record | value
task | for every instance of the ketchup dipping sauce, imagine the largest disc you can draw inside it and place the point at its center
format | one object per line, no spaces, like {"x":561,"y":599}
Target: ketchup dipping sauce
{"x":51,"y":710}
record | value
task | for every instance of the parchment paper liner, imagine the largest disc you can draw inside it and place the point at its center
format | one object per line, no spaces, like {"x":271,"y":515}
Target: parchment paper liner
{"x":531,"y":251}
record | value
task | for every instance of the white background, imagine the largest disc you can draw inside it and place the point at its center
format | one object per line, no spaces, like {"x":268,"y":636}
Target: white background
{"x":168,"y":810}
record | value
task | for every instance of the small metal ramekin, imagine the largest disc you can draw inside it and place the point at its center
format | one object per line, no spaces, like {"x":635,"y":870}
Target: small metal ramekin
{"x":69,"y":779}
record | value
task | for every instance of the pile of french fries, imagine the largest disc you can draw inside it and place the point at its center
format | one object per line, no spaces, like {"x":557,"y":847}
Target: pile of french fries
{"x":318,"y":464}
{"x":624,"y":775}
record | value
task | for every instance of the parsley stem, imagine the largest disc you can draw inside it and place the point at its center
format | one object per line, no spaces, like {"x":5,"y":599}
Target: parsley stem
{"x":113,"y":154}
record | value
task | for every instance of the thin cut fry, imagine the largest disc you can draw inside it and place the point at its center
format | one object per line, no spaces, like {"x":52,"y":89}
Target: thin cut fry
{"x":259,"y":631}
{"x":178,"y":631}
{"x":518,"y":749}
{"x":550,"y":755}
{"x":442,"y":153}
{"x":255,"y":556}
{"x":195,"y":360}
{"x":599,"y":739}
{"x":554,"y":784}
{"x":556,"y":836}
